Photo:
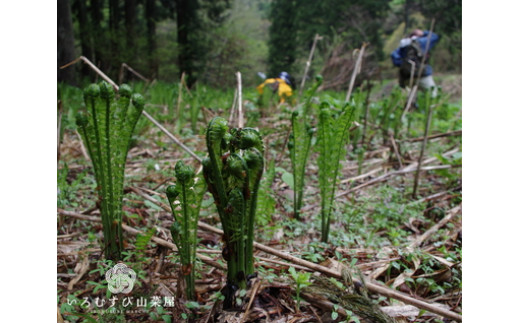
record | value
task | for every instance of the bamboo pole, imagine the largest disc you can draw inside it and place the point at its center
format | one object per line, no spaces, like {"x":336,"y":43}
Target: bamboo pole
{"x":439,"y":135}
{"x":94,"y":67}
{"x":60,"y":114}
{"x":308,"y":63}
{"x":232,"y":111}
{"x":423,"y":147}
{"x":365,"y":121}
{"x":355,"y":72}
{"x":179,"y":97}
{"x":239,"y":90}
{"x":172,"y":137}
{"x":131,"y":70}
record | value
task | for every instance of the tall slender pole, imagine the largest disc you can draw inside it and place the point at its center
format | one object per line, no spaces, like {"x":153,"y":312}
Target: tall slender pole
{"x":355,"y":72}
{"x":240,"y":112}
{"x":423,"y":147}
{"x":308,"y":63}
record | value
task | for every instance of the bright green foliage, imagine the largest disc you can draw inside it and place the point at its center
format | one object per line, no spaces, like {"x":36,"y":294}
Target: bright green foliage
{"x":302,"y":279}
{"x":300,"y":144}
{"x":333,"y":135}
{"x":233,"y":171}
{"x":391,"y":112}
{"x":299,"y":147}
{"x":188,"y":191}
{"x":265,"y":201}
{"x":107,"y":128}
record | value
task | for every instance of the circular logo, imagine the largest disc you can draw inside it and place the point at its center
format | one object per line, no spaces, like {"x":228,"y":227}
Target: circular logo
{"x":120,"y":279}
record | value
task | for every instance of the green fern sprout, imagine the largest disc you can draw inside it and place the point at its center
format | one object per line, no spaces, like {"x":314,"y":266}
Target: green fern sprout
{"x":299,"y":145}
{"x":188,"y":191}
{"x":333,"y":134}
{"x":106,"y":128}
{"x":233,"y":171}
{"x":391,"y":113}
{"x":265,"y":204}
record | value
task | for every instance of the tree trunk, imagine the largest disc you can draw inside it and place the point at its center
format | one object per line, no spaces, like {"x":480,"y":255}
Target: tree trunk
{"x":113,"y":24}
{"x":186,"y":20}
{"x":85,"y":36}
{"x":130,"y":18}
{"x":150,"y":13}
{"x":66,"y":51}
{"x":97,"y":42}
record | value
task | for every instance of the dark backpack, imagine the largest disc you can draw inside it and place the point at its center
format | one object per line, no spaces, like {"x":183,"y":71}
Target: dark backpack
{"x":412,"y":53}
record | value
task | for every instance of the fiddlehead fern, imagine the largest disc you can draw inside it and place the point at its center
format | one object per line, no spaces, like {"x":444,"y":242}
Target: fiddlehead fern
{"x":332,"y":138}
{"x":106,"y":128}
{"x":233,"y":171}
{"x":188,"y":191}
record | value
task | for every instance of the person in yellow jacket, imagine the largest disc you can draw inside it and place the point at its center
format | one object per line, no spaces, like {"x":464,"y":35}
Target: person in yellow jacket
{"x":280,"y":85}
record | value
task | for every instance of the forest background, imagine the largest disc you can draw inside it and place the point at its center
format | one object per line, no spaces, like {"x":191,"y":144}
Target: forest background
{"x":211,"y":40}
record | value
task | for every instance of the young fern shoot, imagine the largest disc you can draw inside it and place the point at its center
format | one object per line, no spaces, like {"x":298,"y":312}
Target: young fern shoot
{"x":333,"y":135}
{"x":233,"y":171}
{"x":106,"y":128}
{"x":188,"y":192}
{"x":299,"y":146}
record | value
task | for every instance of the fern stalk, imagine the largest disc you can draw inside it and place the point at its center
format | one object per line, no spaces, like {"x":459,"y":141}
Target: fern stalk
{"x":107,"y":140}
{"x":332,"y":139}
{"x":188,"y":191}
{"x":233,"y":170}
{"x":299,"y":145}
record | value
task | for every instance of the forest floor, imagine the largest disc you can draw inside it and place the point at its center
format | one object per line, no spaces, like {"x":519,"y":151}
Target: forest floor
{"x":384,"y":242}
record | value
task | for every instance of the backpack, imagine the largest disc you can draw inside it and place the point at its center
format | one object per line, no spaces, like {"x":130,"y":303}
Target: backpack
{"x":412,"y":53}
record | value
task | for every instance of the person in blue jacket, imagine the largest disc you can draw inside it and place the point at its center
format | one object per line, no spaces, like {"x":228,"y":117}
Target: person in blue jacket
{"x":408,"y":57}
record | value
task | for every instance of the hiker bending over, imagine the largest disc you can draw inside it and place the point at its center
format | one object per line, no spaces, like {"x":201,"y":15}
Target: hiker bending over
{"x":280,"y":85}
{"x":408,"y":58}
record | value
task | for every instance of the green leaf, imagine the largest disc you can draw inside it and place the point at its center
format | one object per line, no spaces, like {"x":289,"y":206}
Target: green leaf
{"x":288,"y":179}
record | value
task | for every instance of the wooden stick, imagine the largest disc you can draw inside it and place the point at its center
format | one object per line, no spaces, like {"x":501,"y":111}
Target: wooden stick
{"x":423,"y":147}
{"x":239,"y":91}
{"x":355,"y":72}
{"x":179,"y":97}
{"x":256,"y":287}
{"x":172,"y":137}
{"x":97,"y":70}
{"x":434,"y":196}
{"x":60,"y":114}
{"x":365,"y":121}
{"x":355,"y":178}
{"x":396,"y":151}
{"x":439,"y":135}
{"x":412,"y":72}
{"x":308,"y":63}
{"x":83,"y":270}
{"x":232,"y":112}
{"x":426,"y":235}
{"x":130,"y":69}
